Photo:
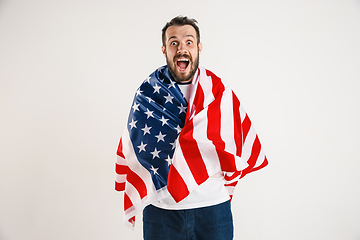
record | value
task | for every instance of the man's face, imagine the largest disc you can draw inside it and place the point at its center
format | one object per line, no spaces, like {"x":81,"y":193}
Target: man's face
{"x":182,"y":52}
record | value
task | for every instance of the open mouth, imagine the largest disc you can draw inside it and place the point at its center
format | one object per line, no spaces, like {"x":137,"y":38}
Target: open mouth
{"x":182,"y":64}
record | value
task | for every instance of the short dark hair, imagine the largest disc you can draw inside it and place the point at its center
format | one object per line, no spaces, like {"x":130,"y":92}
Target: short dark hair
{"x":181,"y":21}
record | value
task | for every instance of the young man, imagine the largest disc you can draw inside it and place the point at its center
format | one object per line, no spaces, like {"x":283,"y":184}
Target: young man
{"x":187,"y":143}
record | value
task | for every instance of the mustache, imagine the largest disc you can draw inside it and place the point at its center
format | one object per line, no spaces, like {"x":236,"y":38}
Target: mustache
{"x":176,"y":57}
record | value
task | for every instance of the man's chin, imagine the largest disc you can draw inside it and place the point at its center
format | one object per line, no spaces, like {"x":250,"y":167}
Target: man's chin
{"x":182,"y":77}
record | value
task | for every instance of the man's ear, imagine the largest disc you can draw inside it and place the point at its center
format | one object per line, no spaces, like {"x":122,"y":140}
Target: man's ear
{"x":200,"y":46}
{"x":163,"y":50}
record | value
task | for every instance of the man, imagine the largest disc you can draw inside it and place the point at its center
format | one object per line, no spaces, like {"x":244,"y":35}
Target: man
{"x":187,"y":143}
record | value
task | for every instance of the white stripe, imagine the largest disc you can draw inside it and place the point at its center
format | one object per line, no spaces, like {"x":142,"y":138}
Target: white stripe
{"x":227,"y":122}
{"x":136,"y":208}
{"x":235,"y":179}
{"x":241,"y":163}
{"x":248,"y":143}
{"x":230,"y":189}
{"x":206,"y":85}
{"x":120,"y":160}
{"x":183,"y":169}
{"x":205,"y":146}
{"x":134,"y":164}
{"x":193,"y":88}
{"x":134,"y":197}
{"x":120,"y":178}
{"x":260,"y":159}
{"x":242,"y":113}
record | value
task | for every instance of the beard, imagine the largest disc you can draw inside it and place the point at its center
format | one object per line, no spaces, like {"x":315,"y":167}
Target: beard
{"x":180,"y":77}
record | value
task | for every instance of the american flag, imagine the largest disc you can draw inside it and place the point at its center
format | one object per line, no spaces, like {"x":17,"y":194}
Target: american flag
{"x":171,"y":146}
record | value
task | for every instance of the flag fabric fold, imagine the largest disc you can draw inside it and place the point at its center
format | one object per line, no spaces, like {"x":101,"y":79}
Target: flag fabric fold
{"x":171,"y":146}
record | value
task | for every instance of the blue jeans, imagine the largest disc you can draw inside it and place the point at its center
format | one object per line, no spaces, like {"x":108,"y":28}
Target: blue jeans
{"x":207,"y":223}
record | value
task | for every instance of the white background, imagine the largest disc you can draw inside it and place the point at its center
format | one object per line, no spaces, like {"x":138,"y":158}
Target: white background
{"x":68,"y":73}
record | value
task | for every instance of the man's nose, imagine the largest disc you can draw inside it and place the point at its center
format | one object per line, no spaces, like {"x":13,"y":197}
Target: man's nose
{"x":182,"y":49}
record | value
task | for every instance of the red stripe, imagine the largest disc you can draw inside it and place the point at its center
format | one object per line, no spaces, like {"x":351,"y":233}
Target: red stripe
{"x":237,"y":125}
{"x":264,"y":164}
{"x":229,"y":178}
{"x":176,"y":185}
{"x":137,"y":182}
{"x":192,"y":154}
{"x":227,"y":160}
{"x":253,"y":157}
{"x":231,"y":184}
{"x":127,"y":202}
{"x":119,"y":150}
{"x":199,"y":99}
{"x":214,"y":125}
{"x":119,"y":186}
{"x":246,"y":124}
{"x":217,"y":85}
{"x":256,"y":148}
{"x":121,"y":169}
{"x":132,"y":220}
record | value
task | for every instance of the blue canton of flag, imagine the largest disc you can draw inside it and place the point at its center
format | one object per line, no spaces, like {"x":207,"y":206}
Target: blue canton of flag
{"x":155,"y":121}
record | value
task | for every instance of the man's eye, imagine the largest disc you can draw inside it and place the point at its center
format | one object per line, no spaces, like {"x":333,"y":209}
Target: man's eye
{"x":189,"y":42}
{"x":173,"y":43}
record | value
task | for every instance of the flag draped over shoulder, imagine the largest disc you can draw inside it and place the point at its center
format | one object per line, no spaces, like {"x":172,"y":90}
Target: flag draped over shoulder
{"x":172,"y":145}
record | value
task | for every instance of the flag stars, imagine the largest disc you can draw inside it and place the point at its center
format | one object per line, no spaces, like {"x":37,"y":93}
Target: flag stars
{"x":149,"y":99}
{"x":163,"y":120}
{"x":146,"y":129}
{"x":142,"y":147}
{"x":136,"y":106}
{"x":149,"y":113}
{"x":154,"y":170}
{"x":169,"y":160}
{"x":138,"y":92}
{"x":178,"y":129}
{"x":173,"y":145}
{"x":133,"y":124}
{"x":155,"y":153}
{"x":168,"y":98}
{"x":182,"y":109}
{"x":156,"y":88}
{"x":160,"y":137}
{"x":172,"y":84}
{"x":147,"y":79}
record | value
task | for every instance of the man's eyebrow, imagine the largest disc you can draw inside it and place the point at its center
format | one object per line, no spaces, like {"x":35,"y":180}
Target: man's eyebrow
{"x":171,"y":37}
{"x":185,"y":36}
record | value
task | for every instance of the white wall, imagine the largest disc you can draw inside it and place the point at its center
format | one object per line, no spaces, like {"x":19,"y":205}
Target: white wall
{"x":69,"y":69}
